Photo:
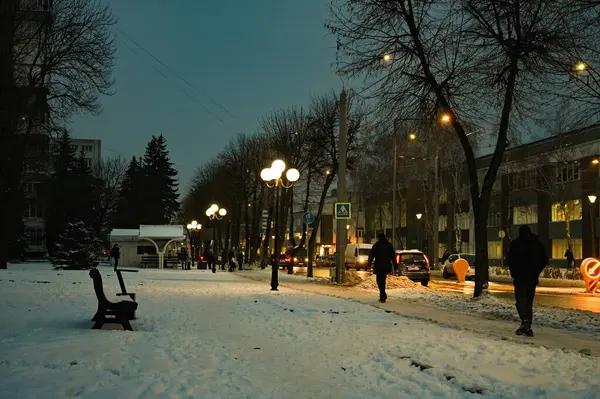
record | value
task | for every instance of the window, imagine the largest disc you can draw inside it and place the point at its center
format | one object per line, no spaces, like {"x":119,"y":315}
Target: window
{"x":87,"y":162}
{"x":559,"y":247}
{"x":73,"y":147}
{"x":443,"y":195}
{"x":568,"y":171}
{"x":442,"y":222}
{"x":31,"y":188}
{"x":527,"y":214}
{"x":34,"y":211}
{"x":571,"y":209}
{"x":35,"y":237}
{"x":463,"y":221}
{"x":494,"y":219}
{"x":87,"y":148}
{"x":522,"y":180}
{"x":494,"y":250}
{"x":360,"y":232}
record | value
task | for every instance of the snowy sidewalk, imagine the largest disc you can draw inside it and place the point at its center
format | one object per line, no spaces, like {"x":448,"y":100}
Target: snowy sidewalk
{"x":205,"y":335}
{"x":412,"y":307}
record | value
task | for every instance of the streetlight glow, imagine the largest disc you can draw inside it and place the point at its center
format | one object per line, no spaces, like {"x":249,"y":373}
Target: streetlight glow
{"x":292,"y":175}
{"x":278,"y":166}
{"x":189,"y":226}
{"x":412,"y":136}
{"x":265,"y":174}
{"x":592,"y":198}
{"x":209,"y":212}
{"x":214,"y":208}
{"x":595,"y":161}
{"x":446,"y":118}
{"x":387,"y":57}
{"x":222,"y":212}
{"x":419,"y":216}
{"x":581,"y":66}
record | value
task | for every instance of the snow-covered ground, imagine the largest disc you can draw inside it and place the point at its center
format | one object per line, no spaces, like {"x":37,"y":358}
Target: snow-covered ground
{"x":204,"y":335}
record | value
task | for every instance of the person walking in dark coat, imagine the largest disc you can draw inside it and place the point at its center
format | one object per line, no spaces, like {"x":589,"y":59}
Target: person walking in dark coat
{"x":115,"y":253}
{"x":526,"y":259}
{"x":570,"y":258}
{"x":231,"y":258}
{"x":384,"y":255}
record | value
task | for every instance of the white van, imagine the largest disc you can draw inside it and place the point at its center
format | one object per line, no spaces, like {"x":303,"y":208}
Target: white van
{"x":357,"y":256}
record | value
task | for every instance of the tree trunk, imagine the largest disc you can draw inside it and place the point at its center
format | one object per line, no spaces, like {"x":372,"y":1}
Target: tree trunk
{"x":313,"y":235}
{"x":248,"y":248}
{"x":291,"y":238}
{"x":305,"y":209}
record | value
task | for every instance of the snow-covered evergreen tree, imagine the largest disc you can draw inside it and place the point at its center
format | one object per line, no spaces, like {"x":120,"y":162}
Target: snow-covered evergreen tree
{"x":77,"y":247}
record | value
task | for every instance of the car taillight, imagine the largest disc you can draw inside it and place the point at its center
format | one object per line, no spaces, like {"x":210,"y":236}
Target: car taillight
{"x":398,"y":258}
{"x":426,"y":262}
{"x":202,"y":258}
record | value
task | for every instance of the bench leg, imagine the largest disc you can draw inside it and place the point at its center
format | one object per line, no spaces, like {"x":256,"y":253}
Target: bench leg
{"x":98,"y":325}
{"x":126,"y":325}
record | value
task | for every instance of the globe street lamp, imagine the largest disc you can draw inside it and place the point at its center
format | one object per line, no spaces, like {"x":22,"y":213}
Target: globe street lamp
{"x":273,"y":177}
{"x":193,"y":232}
{"x":419,"y":216}
{"x":215,"y":212}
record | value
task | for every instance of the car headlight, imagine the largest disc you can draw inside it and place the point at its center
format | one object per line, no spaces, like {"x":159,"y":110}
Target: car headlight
{"x":295,"y":259}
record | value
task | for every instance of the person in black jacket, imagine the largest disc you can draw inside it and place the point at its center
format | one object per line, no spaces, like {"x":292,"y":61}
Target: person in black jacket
{"x":526,"y":259}
{"x":384,"y":255}
{"x":115,"y":253}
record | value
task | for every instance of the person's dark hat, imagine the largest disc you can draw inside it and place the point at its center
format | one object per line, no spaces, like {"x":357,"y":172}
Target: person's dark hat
{"x":381,"y":236}
{"x":524,"y":230}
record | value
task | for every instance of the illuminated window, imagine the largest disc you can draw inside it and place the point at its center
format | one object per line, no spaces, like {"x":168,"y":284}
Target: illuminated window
{"x":570,"y":210}
{"x":559,"y":247}
{"x":442,"y":222}
{"x":463,"y":221}
{"x":494,"y":250}
{"x":527,"y":214}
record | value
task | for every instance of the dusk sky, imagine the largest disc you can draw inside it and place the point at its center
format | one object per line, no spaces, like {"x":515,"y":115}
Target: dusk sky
{"x":249,"y":57}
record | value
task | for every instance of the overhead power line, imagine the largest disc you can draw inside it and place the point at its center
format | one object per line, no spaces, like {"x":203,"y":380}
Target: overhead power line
{"x":173,"y":72}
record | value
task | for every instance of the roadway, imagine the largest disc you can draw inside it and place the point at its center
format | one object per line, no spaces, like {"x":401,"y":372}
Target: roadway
{"x":546,"y":295}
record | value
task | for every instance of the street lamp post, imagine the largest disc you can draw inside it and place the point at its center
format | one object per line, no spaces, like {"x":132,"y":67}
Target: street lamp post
{"x":592,"y":199}
{"x":419,"y":216}
{"x":273,"y":177}
{"x":193,"y":230}
{"x":215,"y":212}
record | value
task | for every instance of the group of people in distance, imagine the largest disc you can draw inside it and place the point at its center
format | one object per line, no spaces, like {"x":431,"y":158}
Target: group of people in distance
{"x":527,"y":258}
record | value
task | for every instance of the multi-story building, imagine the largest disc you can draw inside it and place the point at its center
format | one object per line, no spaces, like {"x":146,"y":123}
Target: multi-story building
{"x":36,"y":173}
{"x":89,"y":149}
{"x":544,"y":184}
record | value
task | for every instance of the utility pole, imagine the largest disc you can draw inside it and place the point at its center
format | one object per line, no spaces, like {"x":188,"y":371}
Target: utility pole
{"x":342,"y":195}
{"x":436,"y":208}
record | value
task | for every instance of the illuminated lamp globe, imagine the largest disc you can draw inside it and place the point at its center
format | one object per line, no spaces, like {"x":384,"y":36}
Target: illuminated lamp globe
{"x":209,"y":212}
{"x":214,"y":208}
{"x":222,"y":212}
{"x":278,"y":166}
{"x":292,"y":175}
{"x":194,"y":224}
{"x":189,"y":226}
{"x":265,"y":174}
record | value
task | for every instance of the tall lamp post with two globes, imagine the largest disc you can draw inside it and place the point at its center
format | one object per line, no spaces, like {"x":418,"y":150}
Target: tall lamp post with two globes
{"x":193,"y":230}
{"x":273,"y":177}
{"x":215,"y":212}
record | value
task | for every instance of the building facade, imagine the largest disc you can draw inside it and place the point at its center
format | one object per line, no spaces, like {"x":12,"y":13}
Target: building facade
{"x":90,"y":150}
{"x":545,"y":184}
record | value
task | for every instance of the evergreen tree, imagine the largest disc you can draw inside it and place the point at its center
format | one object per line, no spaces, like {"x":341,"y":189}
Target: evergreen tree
{"x":73,"y":193}
{"x":160,"y":184}
{"x":128,"y":212}
{"x":77,"y":247}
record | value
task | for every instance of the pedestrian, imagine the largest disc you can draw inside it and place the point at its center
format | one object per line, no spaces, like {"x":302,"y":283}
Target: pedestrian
{"x":231,"y":258}
{"x":526,"y":259}
{"x":212,"y":261}
{"x":385,"y":256}
{"x":115,"y":253}
{"x":183,"y":257}
{"x":224,"y":259}
{"x":240,"y":259}
{"x":570,"y":258}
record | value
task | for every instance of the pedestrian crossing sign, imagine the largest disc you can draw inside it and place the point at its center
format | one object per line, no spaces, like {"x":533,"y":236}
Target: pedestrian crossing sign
{"x":343,"y":210}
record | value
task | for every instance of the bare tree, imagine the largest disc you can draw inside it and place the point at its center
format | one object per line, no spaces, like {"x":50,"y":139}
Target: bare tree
{"x":470,"y":60}
{"x":55,"y":61}
{"x":324,"y":147}
{"x":111,"y":172}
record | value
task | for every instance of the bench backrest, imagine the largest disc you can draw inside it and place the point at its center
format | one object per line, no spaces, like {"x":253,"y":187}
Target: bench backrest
{"x":98,"y":288}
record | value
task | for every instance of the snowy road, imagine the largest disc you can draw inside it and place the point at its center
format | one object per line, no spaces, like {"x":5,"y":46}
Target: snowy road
{"x":200,"y":335}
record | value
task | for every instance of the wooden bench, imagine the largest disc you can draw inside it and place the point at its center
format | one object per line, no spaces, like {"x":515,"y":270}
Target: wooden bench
{"x":109,"y":312}
{"x":122,"y":283}
{"x":153,"y":261}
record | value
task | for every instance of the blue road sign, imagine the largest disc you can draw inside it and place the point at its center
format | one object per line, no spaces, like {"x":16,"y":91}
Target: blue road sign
{"x":308,"y":218}
{"x":343,"y":210}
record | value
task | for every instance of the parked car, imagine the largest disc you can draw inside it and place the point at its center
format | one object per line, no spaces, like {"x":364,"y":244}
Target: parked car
{"x":295,"y":256}
{"x":447,"y":267}
{"x":413,"y":264}
{"x":357,"y":256}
